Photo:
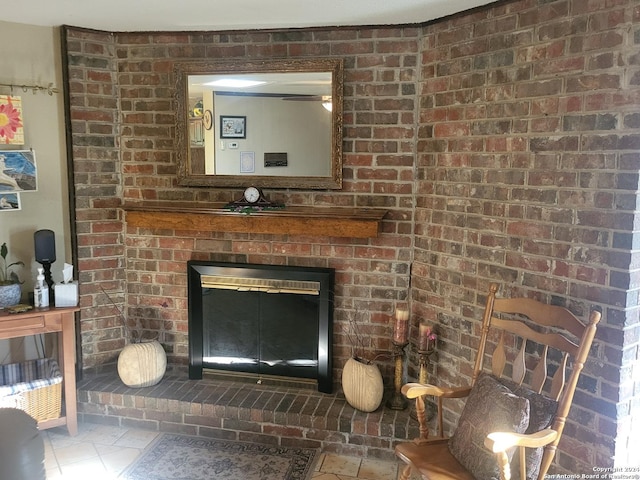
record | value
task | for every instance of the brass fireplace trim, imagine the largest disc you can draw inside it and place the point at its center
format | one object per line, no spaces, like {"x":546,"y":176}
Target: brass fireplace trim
{"x":268,"y":285}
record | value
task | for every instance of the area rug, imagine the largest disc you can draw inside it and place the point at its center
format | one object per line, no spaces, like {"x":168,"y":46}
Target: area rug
{"x":181,"y":457}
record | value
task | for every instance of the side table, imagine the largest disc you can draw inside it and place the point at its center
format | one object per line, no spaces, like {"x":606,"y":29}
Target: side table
{"x":50,"y":320}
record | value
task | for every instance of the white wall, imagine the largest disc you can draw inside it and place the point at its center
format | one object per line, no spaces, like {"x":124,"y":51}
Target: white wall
{"x":300,"y":129}
{"x":31,"y":55}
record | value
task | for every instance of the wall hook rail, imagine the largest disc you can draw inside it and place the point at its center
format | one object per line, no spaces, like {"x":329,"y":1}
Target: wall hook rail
{"x":50,"y":89}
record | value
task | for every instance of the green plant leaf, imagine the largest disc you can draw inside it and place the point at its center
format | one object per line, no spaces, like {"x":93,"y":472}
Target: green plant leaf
{"x":7,"y":277}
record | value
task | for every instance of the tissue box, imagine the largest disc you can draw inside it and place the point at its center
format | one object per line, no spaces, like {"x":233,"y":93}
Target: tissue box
{"x":66,"y":294}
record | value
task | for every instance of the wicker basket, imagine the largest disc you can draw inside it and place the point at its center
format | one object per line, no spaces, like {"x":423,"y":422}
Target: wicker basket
{"x":34,"y":386}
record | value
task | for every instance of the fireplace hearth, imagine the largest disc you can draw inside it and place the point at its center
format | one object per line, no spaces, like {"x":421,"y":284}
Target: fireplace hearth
{"x":261,"y":320}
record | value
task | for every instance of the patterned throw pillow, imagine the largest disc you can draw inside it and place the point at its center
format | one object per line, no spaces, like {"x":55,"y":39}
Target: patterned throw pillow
{"x":542,"y":410}
{"x":490,"y":407}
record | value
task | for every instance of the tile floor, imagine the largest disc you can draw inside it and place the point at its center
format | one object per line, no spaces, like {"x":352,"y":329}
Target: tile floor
{"x":102,"y":452}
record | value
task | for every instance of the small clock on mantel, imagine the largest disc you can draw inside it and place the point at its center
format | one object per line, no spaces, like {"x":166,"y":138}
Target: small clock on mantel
{"x":253,"y":197}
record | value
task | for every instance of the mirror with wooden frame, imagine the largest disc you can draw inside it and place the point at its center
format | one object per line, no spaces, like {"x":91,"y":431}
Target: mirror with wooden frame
{"x":271,"y":123}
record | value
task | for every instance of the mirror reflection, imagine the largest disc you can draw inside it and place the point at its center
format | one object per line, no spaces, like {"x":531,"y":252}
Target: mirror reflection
{"x":275,"y":124}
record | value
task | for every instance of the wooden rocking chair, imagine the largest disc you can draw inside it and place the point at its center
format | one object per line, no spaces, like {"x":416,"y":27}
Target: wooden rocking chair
{"x":505,"y":425}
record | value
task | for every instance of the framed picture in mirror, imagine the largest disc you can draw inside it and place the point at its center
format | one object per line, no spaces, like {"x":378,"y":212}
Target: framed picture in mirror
{"x":233,"y":127}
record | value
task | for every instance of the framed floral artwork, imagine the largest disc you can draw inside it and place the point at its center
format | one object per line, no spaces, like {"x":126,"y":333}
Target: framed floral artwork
{"x":11,"y":124}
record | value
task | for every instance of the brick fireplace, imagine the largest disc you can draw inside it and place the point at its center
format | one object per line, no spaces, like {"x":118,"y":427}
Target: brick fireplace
{"x":143,"y":266}
{"x":502,"y":142}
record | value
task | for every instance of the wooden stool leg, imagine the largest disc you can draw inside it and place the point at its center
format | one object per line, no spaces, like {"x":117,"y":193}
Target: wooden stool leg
{"x":406,"y":473}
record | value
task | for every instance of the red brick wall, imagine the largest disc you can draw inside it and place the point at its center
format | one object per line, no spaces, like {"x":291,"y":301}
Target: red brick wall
{"x":527,"y":174}
{"x":503,"y":142}
{"x":145,"y":270}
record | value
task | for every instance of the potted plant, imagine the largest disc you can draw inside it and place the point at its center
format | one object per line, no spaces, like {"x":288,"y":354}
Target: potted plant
{"x":10,"y":290}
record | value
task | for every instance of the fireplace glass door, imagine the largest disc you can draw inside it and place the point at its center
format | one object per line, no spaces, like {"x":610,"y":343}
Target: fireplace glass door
{"x":263,"y":320}
{"x":264,"y":333}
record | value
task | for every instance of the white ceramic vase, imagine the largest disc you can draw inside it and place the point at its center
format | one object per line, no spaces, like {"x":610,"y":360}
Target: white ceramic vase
{"x":142,"y":364}
{"x":362,"y":385}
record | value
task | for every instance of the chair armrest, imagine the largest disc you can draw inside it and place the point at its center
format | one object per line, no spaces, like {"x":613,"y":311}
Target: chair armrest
{"x":413,"y":390}
{"x":501,"y":441}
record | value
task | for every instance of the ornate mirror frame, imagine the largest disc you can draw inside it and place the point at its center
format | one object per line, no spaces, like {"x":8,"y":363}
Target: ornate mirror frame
{"x":186,"y":177}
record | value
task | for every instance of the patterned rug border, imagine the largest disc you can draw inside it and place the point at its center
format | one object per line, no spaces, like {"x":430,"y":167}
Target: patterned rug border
{"x":302,"y":465}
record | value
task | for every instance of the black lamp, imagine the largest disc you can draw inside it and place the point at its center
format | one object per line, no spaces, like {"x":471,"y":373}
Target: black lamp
{"x":45,"y":247}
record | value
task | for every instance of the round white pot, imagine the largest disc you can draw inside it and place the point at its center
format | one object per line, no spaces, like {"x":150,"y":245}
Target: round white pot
{"x":362,"y":385}
{"x":10,"y":295}
{"x":142,"y":364}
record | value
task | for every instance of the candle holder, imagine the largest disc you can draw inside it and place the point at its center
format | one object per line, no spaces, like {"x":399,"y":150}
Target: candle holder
{"x":397,"y":401}
{"x":424,"y":408}
{"x":423,"y":359}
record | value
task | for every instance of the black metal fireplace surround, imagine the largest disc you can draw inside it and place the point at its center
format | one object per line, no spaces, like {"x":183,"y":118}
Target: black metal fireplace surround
{"x":261,"y":320}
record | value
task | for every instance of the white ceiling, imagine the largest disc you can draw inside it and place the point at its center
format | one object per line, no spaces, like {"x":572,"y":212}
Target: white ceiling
{"x":217,"y":15}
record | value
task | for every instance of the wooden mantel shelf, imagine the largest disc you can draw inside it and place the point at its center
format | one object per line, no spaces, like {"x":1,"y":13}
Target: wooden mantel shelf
{"x":325,"y":221}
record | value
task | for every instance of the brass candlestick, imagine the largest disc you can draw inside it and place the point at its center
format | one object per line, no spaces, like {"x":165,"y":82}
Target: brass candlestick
{"x":423,"y":356}
{"x":426,"y":408}
{"x":397,"y":401}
